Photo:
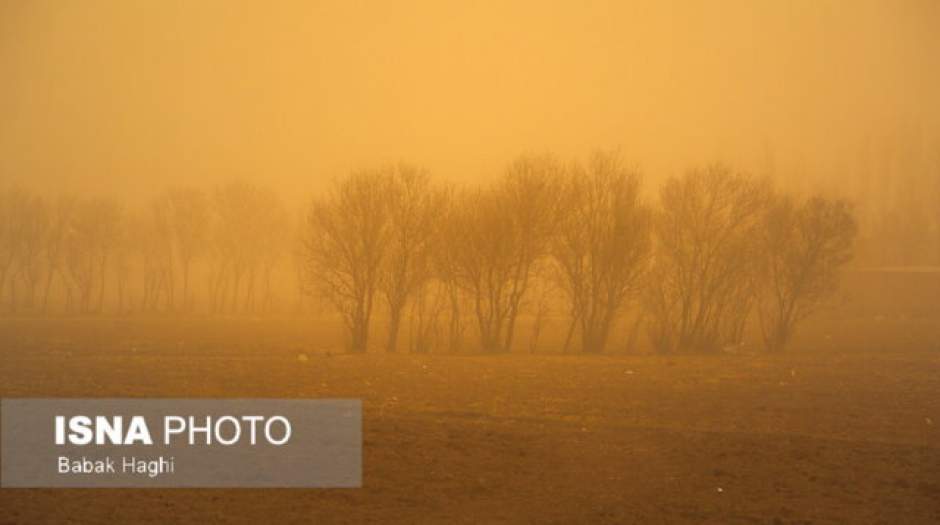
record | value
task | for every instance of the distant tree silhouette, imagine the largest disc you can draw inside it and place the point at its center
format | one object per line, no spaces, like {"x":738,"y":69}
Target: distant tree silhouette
{"x":501,"y":232}
{"x":24,"y":223}
{"x":705,"y":234}
{"x":13,"y":223}
{"x":804,"y":245}
{"x":89,"y":245}
{"x":123,"y":257}
{"x":447,"y":268}
{"x":602,"y":246}
{"x":249,"y":224}
{"x":344,"y":247}
{"x":415,"y":208}
{"x":188,"y":217}
{"x":719,"y":253}
{"x":54,"y":252}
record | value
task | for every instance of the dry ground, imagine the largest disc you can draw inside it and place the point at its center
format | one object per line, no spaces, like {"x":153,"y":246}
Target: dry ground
{"x":849,"y":434}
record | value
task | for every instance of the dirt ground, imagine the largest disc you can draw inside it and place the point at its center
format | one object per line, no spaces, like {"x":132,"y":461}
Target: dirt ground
{"x":847,"y":434}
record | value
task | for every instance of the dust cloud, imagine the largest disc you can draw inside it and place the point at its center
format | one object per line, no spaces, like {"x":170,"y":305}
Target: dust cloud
{"x":126,"y":98}
{"x":582,"y":262}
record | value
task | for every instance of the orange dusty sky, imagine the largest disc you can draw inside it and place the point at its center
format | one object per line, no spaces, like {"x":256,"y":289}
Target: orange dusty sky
{"x":126,"y":97}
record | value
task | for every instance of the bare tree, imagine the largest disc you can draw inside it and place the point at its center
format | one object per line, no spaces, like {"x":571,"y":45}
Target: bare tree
{"x":414,"y":211}
{"x":500,"y":234}
{"x":705,"y":238}
{"x":188,"y":217}
{"x":242,"y":227}
{"x":94,"y":237}
{"x":344,"y":247}
{"x":447,"y":268}
{"x":273,"y":241}
{"x":602,"y":246}
{"x":298,"y":261}
{"x":84,"y":258}
{"x":219,"y":251}
{"x":163,"y":249}
{"x":13,"y":212}
{"x":804,"y":247}
{"x":482,"y":255}
{"x":543,"y":292}
{"x":426,"y":308}
{"x":54,"y":251}
{"x":151,"y":245}
{"x":109,"y":215}
{"x":124,"y":248}
{"x":33,"y":229}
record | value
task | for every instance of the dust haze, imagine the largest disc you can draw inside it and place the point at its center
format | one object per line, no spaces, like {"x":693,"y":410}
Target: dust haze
{"x":126,"y":98}
{"x":583,"y":262}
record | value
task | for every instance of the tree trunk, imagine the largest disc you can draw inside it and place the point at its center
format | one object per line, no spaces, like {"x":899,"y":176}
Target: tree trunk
{"x":3,"y":280}
{"x":13,"y":293}
{"x":454,"y":320}
{"x":359,"y":333}
{"x":394,"y":325}
{"x":634,"y":332}
{"x":571,"y":326}
{"x":103,"y":270}
{"x":186,"y":286}
{"x":45,"y":295}
{"x":236,"y":285}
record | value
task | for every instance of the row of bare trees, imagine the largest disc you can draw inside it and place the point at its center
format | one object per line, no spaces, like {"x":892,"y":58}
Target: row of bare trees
{"x":717,"y":251}
{"x":717,"y":255}
{"x":68,"y":240}
{"x":81,"y":250}
{"x":727,"y":246}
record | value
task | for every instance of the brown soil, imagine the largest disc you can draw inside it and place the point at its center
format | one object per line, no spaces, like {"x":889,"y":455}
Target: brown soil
{"x":823,"y":436}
